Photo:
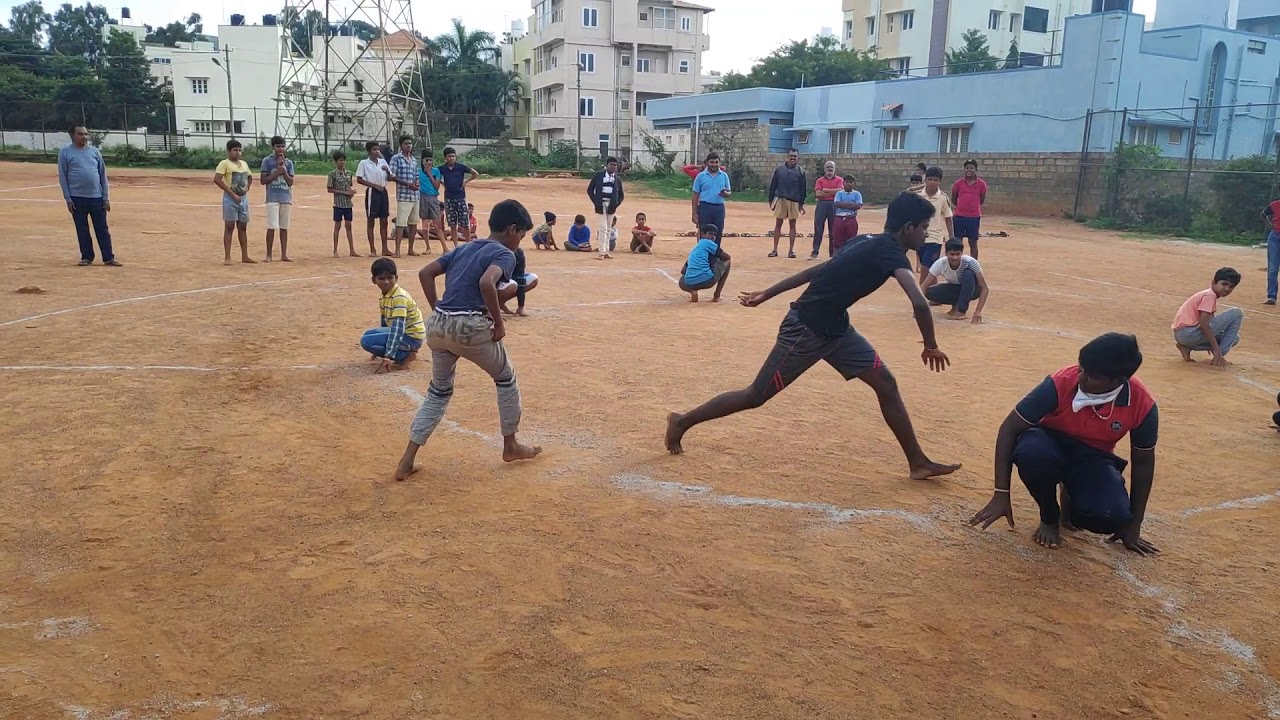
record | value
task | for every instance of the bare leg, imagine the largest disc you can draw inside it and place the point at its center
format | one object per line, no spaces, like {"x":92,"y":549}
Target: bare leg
{"x":382,"y":229}
{"x":720,"y":285}
{"x":284,"y":246}
{"x":336,"y":227}
{"x":895,"y":416}
{"x":722,"y":405}
{"x":439,"y":222}
{"x":271,"y":243}
{"x":1186,"y":353}
{"x":397,"y":233}
{"x":791,"y":250}
{"x":351,"y":242}
{"x":777,"y":234}
{"x":242,"y":229}
{"x":373,"y":250}
{"x":227,"y":229}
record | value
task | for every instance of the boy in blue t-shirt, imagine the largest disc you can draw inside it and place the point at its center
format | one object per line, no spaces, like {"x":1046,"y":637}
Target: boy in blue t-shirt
{"x":466,"y":322}
{"x":707,"y":266}
{"x":847,"y":204}
{"x":579,"y":235}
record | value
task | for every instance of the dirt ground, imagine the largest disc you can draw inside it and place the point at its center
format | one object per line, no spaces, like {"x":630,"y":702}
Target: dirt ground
{"x":198,"y":517}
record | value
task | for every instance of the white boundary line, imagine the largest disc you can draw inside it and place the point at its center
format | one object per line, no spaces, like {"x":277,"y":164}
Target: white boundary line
{"x":176,"y":293}
{"x":1237,"y":504}
{"x":1152,"y":292}
{"x":138,"y":202}
{"x":1254,"y":383}
{"x":140,"y":368}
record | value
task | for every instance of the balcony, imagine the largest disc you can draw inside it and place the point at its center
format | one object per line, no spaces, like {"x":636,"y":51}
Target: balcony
{"x":565,"y":75}
{"x":663,"y":83}
{"x":539,"y":124}
{"x":656,"y":37}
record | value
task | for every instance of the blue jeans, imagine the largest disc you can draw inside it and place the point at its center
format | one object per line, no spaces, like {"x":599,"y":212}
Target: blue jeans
{"x":1273,"y":262}
{"x":958,"y":296}
{"x":711,"y":214}
{"x":375,"y":342}
{"x":86,"y":209}
{"x":1093,"y":479}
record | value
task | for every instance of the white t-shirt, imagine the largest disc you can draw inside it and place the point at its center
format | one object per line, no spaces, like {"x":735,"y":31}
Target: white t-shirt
{"x":951,"y":276}
{"x":373,"y":172}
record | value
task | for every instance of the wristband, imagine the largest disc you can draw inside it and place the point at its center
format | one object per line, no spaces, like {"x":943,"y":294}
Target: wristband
{"x":1002,"y":491}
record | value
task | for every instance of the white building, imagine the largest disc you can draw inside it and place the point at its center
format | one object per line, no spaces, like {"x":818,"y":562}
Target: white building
{"x":1256,"y":16}
{"x":915,"y":35}
{"x":629,"y":51}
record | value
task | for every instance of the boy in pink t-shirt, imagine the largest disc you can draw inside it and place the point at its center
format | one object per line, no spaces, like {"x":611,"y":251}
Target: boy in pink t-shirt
{"x":1198,"y":326}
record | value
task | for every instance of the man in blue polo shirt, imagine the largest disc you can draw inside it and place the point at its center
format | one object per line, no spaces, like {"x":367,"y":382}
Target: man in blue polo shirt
{"x":710,"y":188}
{"x":1064,"y":432}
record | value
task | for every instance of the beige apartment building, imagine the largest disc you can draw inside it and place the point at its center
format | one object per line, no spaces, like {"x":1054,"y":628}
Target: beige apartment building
{"x":915,"y":35}
{"x":602,"y":61}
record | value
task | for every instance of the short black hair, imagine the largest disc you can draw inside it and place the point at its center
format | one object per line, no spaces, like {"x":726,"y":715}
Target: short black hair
{"x":370,"y":145}
{"x":384,"y":266}
{"x":917,"y":178}
{"x":792,"y":150}
{"x":507,"y":213}
{"x":708,"y":229}
{"x":610,"y":160}
{"x":1227,"y":273}
{"x":549,"y":216}
{"x":579,"y":219}
{"x":933,"y":172}
{"x":277,"y":140}
{"x":921,"y":167}
{"x":450,"y":151}
{"x":339,"y":155}
{"x":72,"y":130}
{"x":406,"y":138}
{"x":849,"y":178}
{"x":713,"y":156}
{"x":954,"y":245}
{"x":907,"y":209}
{"x":233,"y":144}
{"x":1113,"y":355}
{"x":426,"y":153}
{"x":972,"y":162}
{"x":641,"y":213}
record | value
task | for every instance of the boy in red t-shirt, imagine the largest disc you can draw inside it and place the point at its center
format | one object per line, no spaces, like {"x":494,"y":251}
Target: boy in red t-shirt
{"x":1064,"y":433}
{"x":968,"y":195}
{"x":1272,"y":214}
{"x":642,"y":236}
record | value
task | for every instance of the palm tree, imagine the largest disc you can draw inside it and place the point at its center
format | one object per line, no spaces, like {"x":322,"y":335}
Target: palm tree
{"x":461,"y":46}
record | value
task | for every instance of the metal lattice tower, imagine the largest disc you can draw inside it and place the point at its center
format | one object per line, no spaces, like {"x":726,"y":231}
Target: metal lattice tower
{"x":348,"y":89}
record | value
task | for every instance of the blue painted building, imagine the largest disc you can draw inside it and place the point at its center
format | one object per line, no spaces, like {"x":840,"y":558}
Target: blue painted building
{"x":1108,"y":64}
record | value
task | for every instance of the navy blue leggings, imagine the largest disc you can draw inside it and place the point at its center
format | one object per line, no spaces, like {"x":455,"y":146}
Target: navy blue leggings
{"x":1099,"y":501}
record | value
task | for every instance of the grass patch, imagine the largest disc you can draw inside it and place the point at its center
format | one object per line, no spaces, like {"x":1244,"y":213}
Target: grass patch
{"x":680,"y":187}
{"x":1199,"y":232}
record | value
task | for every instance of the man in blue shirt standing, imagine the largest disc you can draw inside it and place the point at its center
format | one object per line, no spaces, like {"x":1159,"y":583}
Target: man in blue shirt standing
{"x":83,"y":177}
{"x":710,"y":188}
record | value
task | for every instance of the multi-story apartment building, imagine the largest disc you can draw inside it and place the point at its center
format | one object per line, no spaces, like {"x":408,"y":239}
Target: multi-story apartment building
{"x":600,"y":62}
{"x":1255,"y":16}
{"x":915,"y":35}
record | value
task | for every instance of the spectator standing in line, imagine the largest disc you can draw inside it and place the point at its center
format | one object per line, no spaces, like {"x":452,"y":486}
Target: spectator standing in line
{"x":824,"y":212}
{"x":277,"y":178}
{"x":1272,"y":214}
{"x":969,"y":194}
{"x":404,"y":173}
{"x":373,"y":173}
{"x":787,"y":191}
{"x":605,"y":193}
{"x":83,"y":176}
{"x":710,"y":188}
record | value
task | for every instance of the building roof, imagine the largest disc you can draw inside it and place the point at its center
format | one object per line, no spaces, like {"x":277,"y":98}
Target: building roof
{"x":692,"y":6}
{"x":399,"y":40}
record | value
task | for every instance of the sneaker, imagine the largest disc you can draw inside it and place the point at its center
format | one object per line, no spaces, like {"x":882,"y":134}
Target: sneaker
{"x":113,"y":263}
{"x":773,"y":253}
{"x":1269,"y":301}
{"x":83,"y":263}
{"x":813,"y":256}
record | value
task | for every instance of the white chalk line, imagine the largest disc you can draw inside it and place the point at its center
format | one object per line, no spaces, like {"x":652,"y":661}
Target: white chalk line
{"x":449,"y":425}
{"x":30,"y":187}
{"x":139,"y":202}
{"x":232,"y":708}
{"x":667,"y":275}
{"x":150,"y":368}
{"x":1238,"y":504}
{"x":1254,"y":383}
{"x":1153,"y":292}
{"x":175,"y":293}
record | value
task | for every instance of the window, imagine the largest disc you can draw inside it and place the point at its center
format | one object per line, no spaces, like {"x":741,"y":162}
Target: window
{"x":895,"y":139}
{"x":626,"y":60}
{"x":1175,"y":136}
{"x":1015,"y":21}
{"x":993,"y":20}
{"x":848,"y":29}
{"x":590,"y":17}
{"x":684,"y":67}
{"x":901,"y":66}
{"x":888,"y":23}
{"x":871,"y":26}
{"x":162,"y":61}
{"x":1258,"y":47}
{"x":643,"y":65}
{"x":587,"y":107}
{"x":200,"y":86}
{"x":604,"y":137}
{"x":644,"y":16}
{"x":664,"y":18}
{"x":587,"y":61}
{"x":953,"y":140}
{"x":625,"y":104}
{"x":682,"y":139}
{"x":1144,"y":135}
{"x":1036,"y":20}
{"x":642,"y":108}
{"x":908,"y":20}
{"x":203,"y":126}
{"x":802,"y":137}
{"x":686,"y":23}
{"x":668,"y":140}
{"x":841,"y":142}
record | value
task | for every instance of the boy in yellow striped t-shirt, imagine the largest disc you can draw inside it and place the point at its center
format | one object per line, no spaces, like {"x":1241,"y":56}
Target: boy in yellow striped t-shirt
{"x":397,"y":341}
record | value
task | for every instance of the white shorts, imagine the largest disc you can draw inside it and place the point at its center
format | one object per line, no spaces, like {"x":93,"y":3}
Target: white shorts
{"x":406,"y":212}
{"x":278,"y":215}
{"x":528,"y":280}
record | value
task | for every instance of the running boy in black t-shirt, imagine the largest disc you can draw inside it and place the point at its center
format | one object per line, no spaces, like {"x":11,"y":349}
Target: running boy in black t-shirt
{"x":817,"y":328}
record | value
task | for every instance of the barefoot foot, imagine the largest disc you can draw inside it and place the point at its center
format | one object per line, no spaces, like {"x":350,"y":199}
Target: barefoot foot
{"x":403,"y":472}
{"x":227,"y":261}
{"x":1186,"y":353}
{"x":1048,"y":536}
{"x":285,"y":258}
{"x":693,"y":297}
{"x":953,"y":315}
{"x":249,"y":260}
{"x":513,"y":450}
{"x":675,"y":434}
{"x":932,"y":469}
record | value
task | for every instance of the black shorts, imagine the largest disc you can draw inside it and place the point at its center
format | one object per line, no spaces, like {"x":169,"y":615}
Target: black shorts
{"x":340,"y":214}
{"x":928,"y":254}
{"x":376,"y":205}
{"x":798,"y":348}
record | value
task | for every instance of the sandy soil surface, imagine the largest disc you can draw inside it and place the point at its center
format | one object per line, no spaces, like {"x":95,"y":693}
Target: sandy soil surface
{"x":198,"y":517}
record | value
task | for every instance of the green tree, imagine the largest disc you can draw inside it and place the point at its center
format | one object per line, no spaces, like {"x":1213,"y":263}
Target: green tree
{"x":824,"y":61}
{"x":464,"y":92}
{"x":29,"y":22}
{"x":363,"y":30}
{"x":462,"y":47}
{"x":302,"y":27}
{"x":1014,"y":58}
{"x":175,"y":32}
{"x":126,"y":76}
{"x":974,"y":56}
{"x":78,"y":31}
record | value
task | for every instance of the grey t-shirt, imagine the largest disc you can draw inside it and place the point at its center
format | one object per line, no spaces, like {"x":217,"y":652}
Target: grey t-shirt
{"x":463,"y":268}
{"x":278,"y":191}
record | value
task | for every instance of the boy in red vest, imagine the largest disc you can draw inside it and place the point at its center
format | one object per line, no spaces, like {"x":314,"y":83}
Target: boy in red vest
{"x":1064,"y":432}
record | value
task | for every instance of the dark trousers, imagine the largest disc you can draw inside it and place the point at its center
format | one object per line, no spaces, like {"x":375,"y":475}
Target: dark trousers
{"x":86,"y":209}
{"x":1093,"y":479}
{"x":958,"y":296}
{"x":711,"y":214}
{"x":824,"y":218}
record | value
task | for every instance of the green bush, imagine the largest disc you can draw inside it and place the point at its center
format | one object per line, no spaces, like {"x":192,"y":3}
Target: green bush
{"x":131,"y":155}
{"x":1242,"y":191}
{"x":562,"y":155}
{"x":197,"y":158}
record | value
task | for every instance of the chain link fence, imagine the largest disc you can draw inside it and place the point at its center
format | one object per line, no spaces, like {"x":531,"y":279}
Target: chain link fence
{"x":1202,"y":171}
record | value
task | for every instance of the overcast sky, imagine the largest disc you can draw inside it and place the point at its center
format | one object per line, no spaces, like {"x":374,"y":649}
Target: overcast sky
{"x":741,"y":30}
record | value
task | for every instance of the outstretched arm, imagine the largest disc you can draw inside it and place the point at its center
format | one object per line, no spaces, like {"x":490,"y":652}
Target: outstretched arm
{"x":919,"y":306}
{"x":799,"y":279}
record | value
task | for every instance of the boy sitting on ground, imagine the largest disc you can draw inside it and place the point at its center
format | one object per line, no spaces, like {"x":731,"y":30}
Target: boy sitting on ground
{"x":543,"y":237}
{"x":641,"y":236}
{"x":1197,"y":326}
{"x":397,"y":341}
{"x":521,"y":282}
{"x":956,"y":280}
{"x":707,"y":266}
{"x":579,"y":235}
